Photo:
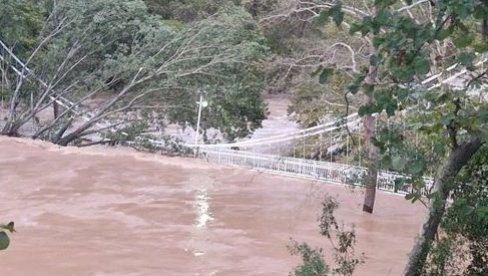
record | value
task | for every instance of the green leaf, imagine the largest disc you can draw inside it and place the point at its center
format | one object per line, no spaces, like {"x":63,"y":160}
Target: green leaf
{"x":463,"y":40}
{"x":382,"y":17}
{"x":4,"y":240}
{"x":390,"y":109}
{"x":386,"y":159}
{"x":383,"y":3}
{"x":417,"y":166}
{"x":398,"y":163}
{"x":353,"y":88}
{"x":480,"y":12}
{"x":421,"y":65}
{"x":444,"y":33}
{"x":368,"y":89}
{"x":355,"y":28}
{"x":481,"y":47}
{"x":403,"y":74}
{"x":374,"y":60}
{"x":377,"y":41}
{"x":337,"y":14}
{"x":323,"y":17}
{"x":366,"y":109}
{"x":484,"y":114}
{"x":325,"y":75}
{"x":466,"y":58}
{"x":483,"y":211}
{"x":448,"y":118}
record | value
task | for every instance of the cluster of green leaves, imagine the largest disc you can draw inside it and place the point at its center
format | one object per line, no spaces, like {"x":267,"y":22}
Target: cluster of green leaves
{"x":232,"y":86}
{"x":188,"y":11}
{"x":313,"y":260}
{"x":104,"y":44}
{"x":447,"y":123}
{"x":343,"y":242}
{"x":233,"y":89}
{"x":22,"y":21}
{"x":402,"y":59}
{"x":185,"y":11}
{"x":4,"y":239}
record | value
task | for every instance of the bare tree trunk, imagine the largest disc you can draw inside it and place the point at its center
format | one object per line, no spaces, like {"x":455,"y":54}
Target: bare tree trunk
{"x":369,"y":123}
{"x":459,"y":157}
{"x":64,"y":141}
{"x":10,"y":129}
{"x":55,"y":109}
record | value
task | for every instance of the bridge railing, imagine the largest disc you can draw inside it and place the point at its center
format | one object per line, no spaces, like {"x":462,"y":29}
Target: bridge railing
{"x":311,"y":169}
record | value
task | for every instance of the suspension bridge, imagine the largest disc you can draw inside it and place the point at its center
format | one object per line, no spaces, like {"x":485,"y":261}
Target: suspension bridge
{"x":276,"y":154}
{"x":289,"y":154}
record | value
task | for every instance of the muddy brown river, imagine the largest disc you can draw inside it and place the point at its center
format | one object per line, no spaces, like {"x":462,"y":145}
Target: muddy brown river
{"x":105,"y":211}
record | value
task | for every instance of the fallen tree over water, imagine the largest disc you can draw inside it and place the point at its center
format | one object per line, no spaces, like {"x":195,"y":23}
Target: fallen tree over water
{"x":101,"y":67}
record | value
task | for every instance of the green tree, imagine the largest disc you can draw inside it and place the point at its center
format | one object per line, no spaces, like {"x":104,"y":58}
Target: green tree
{"x":22,"y":21}
{"x":405,"y":45}
{"x":141,"y":69}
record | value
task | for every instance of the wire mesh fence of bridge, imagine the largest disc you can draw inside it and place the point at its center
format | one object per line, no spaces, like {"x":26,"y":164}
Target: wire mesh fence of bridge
{"x":323,"y":171}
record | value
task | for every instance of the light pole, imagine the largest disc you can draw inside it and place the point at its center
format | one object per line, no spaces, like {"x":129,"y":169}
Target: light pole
{"x":201,"y":104}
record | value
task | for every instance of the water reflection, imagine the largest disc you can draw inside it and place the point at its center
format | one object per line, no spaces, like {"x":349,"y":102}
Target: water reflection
{"x":203,"y":218}
{"x":202,"y":206}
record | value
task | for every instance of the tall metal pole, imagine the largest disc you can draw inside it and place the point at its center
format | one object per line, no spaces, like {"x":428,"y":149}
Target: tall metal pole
{"x":198,"y":120}
{"x":201,"y":104}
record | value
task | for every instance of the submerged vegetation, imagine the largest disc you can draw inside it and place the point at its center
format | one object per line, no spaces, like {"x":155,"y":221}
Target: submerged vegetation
{"x":343,"y":242}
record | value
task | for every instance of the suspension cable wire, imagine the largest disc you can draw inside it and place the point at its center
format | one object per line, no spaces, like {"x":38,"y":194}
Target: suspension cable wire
{"x":59,"y":99}
{"x":287,"y":138}
{"x":336,"y":122}
{"x":339,"y":123}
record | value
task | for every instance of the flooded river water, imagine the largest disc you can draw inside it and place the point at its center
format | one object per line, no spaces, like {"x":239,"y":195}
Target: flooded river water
{"x":102,"y":211}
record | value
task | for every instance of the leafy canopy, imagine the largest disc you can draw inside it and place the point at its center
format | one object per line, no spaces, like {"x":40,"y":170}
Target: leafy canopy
{"x":408,"y":48}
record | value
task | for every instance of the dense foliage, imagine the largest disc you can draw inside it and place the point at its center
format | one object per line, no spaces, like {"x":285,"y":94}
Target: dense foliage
{"x":22,"y":21}
{"x":140,"y":67}
{"x":410,"y":42}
